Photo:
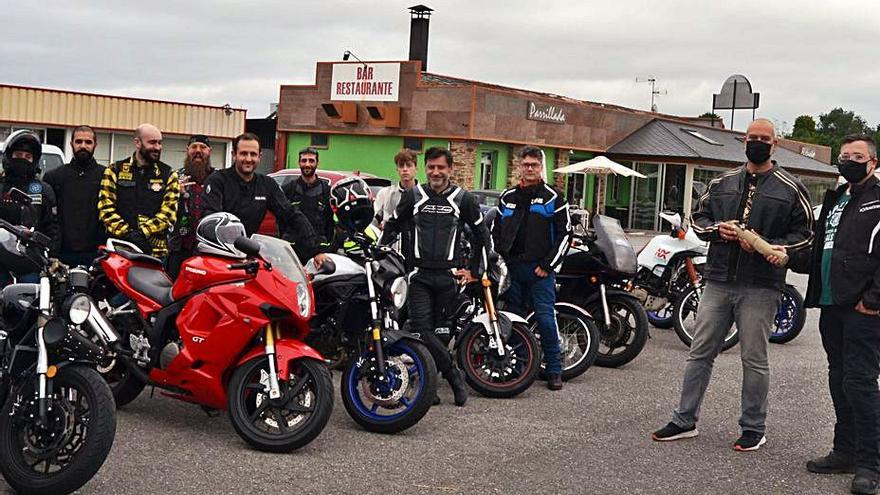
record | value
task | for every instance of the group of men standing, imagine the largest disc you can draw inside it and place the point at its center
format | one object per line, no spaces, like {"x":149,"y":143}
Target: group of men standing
{"x":841,"y":253}
{"x":144,"y":201}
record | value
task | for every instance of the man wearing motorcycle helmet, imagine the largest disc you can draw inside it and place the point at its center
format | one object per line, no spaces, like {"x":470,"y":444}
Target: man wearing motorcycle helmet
{"x":33,"y":204}
{"x":435,"y":218}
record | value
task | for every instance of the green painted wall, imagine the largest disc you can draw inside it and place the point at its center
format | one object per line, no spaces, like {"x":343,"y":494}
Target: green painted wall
{"x":369,"y":154}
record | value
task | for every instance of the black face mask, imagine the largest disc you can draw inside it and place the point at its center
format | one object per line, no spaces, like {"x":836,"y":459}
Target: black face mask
{"x":758,"y":151}
{"x":19,"y":170}
{"x":854,"y":172}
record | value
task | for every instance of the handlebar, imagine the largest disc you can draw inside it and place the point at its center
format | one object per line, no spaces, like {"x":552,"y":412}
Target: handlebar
{"x":27,"y":235}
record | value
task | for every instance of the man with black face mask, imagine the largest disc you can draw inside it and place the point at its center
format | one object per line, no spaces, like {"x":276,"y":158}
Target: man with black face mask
{"x":21,"y":158}
{"x":76,"y":188}
{"x":742,"y":286}
{"x":845,"y":283}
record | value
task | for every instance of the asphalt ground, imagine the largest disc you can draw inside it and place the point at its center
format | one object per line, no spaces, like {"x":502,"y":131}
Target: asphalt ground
{"x":591,"y":437}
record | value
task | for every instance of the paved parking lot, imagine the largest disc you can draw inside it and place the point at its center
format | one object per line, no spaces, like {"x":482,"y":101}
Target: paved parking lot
{"x":593,"y":437}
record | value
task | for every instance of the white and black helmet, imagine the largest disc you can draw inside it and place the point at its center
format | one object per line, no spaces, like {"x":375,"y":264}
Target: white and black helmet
{"x":352,"y":201}
{"x":216,"y":234}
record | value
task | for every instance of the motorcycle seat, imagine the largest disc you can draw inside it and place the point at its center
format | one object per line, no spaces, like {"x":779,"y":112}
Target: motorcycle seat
{"x":151,"y":282}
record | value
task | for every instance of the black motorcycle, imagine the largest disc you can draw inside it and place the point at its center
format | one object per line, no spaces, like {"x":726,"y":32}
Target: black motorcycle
{"x":496,"y":350}
{"x":596,"y":275}
{"x":58,"y":419}
{"x":389,"y":380}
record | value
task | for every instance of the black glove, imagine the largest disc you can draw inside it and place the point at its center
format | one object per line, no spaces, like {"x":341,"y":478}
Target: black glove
{"x":140,"y":240}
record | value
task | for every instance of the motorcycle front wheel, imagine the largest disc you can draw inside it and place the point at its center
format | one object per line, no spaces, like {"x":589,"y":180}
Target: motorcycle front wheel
{"x":685,"y":314}
{"x":494,"y":375}
{"x":399,"y":399}
{"x":66,"y":452}
{"x":288,"y":422}
{"x":790,"y":317}
{"x":663,"y":317}
{"x":627,"y":335}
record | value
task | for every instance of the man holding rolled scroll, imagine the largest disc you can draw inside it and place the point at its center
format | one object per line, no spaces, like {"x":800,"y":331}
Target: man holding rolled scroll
{"x":741,"y":284}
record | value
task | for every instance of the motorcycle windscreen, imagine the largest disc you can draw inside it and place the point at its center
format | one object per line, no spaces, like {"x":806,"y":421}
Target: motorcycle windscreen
{"x":282,"y":257}
{"x":612,"y":241}
{"x":13,"y":255}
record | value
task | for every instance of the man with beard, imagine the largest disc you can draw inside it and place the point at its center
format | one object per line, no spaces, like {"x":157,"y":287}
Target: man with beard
{"x":76,"y":188}
{"x":311,"y":195}
{"x":138,"y":197}
{"x":37,"y":210}
{"x":190,"y":210}
{"x":243,"y":192}
{"x":436,"y":217}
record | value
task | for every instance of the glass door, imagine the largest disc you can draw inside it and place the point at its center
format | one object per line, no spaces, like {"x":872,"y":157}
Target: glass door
{"x":673,"y":188}
{"x":645,"y":197}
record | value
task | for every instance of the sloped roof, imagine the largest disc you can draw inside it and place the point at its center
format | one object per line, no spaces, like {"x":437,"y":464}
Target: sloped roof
{"x":669,"y":140}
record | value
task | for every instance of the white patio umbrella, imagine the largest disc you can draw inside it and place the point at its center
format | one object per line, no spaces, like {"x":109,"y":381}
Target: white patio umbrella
{"x":600,"y":166}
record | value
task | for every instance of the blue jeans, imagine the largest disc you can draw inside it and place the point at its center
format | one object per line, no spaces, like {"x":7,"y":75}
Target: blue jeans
{"x":527,"y":290}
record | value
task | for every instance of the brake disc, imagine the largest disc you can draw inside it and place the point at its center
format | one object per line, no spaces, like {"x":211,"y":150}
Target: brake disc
{"x":394,"y":365}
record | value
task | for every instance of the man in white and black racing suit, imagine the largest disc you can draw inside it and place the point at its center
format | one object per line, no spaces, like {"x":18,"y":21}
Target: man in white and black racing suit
{"x":435,"y":217}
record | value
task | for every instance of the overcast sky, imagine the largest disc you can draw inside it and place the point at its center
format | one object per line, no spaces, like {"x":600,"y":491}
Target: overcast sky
{"x":803,"y":56}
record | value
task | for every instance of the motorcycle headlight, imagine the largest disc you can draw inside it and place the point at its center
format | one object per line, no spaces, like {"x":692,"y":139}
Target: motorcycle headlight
{"x":303,"y":299}
{"x":398,"y":291}
{"x":80,"y":307}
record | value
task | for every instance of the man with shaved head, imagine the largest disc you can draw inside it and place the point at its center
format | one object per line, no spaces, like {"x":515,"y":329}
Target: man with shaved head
{"x":138,"y":197}
{"x":741,"y":285}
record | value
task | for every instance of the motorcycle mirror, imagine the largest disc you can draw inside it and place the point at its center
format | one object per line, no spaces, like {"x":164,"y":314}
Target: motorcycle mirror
{"x":247,"y":246}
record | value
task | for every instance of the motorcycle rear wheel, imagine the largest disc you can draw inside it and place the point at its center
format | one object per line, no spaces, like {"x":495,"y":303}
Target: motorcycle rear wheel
{"x":500,"y":377}
{"x":578,"y":341}
{"x":685,"y":314}
{"x":82,"y":407}
{"x":287,"y":423}
{"x":391,"y":405}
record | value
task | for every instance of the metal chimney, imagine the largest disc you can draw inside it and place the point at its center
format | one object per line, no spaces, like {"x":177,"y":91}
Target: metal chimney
{"x":418,"y":34}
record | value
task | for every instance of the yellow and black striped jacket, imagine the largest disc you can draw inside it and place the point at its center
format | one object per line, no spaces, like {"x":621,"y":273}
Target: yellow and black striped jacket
{"x":134,"y":197}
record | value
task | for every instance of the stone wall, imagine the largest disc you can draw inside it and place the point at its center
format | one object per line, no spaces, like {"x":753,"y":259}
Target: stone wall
{"x":464,"y":154}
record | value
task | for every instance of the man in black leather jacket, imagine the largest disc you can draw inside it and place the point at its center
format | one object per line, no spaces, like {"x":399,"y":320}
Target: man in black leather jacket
{"x":435,"y":217}
{"x":845,"y":283}
{"x":742,"y":286}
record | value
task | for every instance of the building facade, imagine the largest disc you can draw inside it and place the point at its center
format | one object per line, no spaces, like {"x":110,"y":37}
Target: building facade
{"x":54,"y":114}
{"x":360,"y":114}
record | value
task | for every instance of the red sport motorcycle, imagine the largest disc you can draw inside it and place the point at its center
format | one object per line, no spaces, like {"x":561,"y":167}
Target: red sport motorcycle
{"x":225,"y":334}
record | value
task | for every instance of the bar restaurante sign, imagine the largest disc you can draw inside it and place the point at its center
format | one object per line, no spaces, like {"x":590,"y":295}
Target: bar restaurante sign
{"x":546,"y":113}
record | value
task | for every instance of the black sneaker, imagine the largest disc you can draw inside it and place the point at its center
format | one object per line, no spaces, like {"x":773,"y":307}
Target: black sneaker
{"x":865,"y":483}
{"x":749,"y":441}
{"x":672,"y":432}
{"x":833,"y":463}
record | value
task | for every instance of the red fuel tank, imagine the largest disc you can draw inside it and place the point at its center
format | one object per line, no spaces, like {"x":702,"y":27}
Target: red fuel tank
{"x":200,"y":272}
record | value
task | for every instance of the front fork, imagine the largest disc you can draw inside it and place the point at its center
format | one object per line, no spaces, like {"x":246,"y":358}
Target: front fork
{"x":271,"y":333}
{"x":691,"y":271}
{"x":43,"y":384}
{"x":376,"y":331}
{"x":489,"y":305}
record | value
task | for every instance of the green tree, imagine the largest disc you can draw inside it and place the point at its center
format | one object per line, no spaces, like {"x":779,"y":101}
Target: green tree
{"x":804,"y":129}
{"x":836,"y":124}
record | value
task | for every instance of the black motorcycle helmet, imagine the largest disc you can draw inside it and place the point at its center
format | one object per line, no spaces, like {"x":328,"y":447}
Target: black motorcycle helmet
{"x":352,"y":202}
{"x":23,"y":140}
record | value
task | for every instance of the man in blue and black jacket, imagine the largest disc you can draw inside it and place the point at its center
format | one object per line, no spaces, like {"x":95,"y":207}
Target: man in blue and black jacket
{"x":532,"y":230}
